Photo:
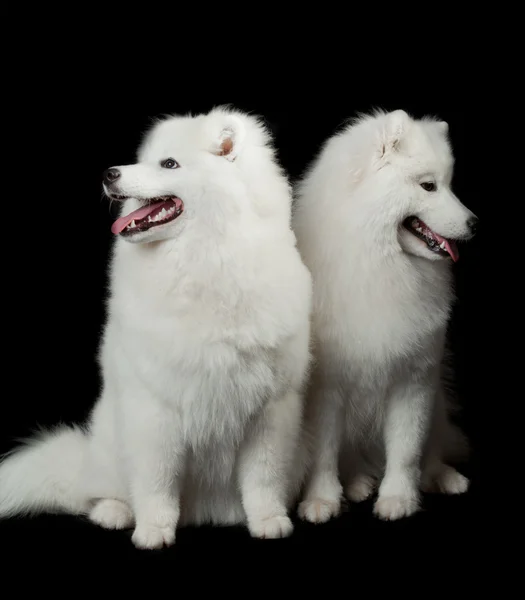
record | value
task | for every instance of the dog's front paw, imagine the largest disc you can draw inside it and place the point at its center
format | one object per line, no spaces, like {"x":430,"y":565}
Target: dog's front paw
{"x":391,"y":508}
{"x":152,"y":537}
{"x":319,"y":510}
{"x":271,"y":528}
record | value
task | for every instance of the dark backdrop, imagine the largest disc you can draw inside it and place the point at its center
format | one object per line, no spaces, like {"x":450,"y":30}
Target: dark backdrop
{"x":56,"y":308}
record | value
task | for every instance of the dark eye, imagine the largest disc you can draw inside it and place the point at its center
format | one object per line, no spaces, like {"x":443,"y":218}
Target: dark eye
{"x":169,"y":163}
{"x":429,"y":186}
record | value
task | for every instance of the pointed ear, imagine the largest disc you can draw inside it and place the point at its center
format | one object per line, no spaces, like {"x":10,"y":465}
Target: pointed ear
{"x":443,"y":127}
{"x":396,"y":125}
{"x":230,"y":138}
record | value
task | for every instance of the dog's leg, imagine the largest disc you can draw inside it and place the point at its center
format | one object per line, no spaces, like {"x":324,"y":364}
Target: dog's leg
{"x":407,"y":419}
{"x":322,"y":499}
{"x":445,"y":441}
{"x":443,"y":479}
{"x":111,"y":514}
{"x":265,"y":467}
{"x":360,"y":487}
{"x":356,"y":475}
{"x":154,"y":461}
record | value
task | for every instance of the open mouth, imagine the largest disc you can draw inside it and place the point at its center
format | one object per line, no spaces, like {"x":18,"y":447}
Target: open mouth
{"x":435,"y":243}
{"x":158,"y":211}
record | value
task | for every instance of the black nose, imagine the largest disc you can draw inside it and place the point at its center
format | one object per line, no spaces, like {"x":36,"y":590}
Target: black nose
{"x":111,"y":175}
{"x":473,"y":224}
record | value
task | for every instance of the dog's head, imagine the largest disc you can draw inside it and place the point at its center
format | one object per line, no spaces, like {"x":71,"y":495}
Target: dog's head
{"x":190,"y":168}
{"x":413,"y":161}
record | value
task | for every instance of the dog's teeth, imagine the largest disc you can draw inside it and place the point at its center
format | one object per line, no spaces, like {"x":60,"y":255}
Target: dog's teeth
{"x":419,"y":230}
{"x":132,"y":224}
{"x":442,"y":245}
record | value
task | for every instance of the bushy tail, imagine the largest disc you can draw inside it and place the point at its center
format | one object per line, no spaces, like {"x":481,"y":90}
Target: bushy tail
{"x":45,"y":475}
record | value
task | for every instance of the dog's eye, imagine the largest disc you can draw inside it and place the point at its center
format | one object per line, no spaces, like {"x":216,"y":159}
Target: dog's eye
{"x":169,"y":163}
{"x":429,"y":186}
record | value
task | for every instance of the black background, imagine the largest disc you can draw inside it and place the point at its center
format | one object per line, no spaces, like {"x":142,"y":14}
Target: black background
{"x":56,"y":304}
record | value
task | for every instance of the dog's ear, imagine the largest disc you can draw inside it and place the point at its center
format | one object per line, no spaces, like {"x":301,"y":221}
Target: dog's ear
{"x":229,"y":141}
{"x":396,"y":125}
{"x":443,"y":127}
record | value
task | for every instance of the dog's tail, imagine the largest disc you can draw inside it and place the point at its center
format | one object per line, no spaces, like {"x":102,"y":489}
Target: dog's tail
{"x":46,"y":474}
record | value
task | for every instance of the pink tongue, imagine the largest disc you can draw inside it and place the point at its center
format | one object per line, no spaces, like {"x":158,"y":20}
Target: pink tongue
{"x":140,"y":213}
{"x":452,"y":250}
{"x":450,"y":246}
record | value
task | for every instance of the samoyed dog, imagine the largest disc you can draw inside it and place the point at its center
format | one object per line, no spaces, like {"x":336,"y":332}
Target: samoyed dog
{"x":377,"y":225}
{"x":205,"y":350}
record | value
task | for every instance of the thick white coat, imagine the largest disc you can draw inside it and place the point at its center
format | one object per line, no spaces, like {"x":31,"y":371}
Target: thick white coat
{"x":204,"y":355}
{"x":377,"y":407}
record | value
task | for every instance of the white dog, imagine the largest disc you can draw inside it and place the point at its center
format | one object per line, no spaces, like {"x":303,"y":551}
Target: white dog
{"x":205,"y":350}
{"x":377,"y":224}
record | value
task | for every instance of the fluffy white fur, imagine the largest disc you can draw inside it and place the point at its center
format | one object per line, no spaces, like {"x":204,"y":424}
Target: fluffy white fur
{"x":204,"y":354}
{"x":377,"y":407}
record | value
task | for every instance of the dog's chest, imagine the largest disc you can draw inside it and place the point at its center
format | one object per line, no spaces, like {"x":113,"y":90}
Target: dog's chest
{"x":213,"y":387}
{"x":219,"y":398}
{"x":387,"y":321}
